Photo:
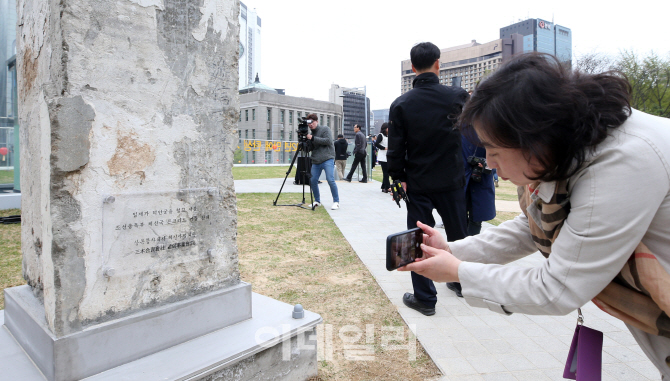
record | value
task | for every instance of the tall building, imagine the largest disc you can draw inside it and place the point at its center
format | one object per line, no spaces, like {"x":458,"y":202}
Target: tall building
{"x":543,"y":36}
{"x":354,"y":106}
{"x":269,"y":120}
{"x":250,"y":45}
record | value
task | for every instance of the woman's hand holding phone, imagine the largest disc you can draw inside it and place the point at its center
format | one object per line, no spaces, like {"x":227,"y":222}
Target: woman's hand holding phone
{"x":437,"y":263}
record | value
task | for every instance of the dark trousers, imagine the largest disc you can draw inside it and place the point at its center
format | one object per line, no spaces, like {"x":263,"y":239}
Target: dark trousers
{"x":451,"y":207}
{"x":385,"y":175}
{"x":358,"y":159}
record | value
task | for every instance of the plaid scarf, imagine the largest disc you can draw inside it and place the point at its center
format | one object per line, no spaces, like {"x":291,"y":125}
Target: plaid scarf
{"x":638,"y":294}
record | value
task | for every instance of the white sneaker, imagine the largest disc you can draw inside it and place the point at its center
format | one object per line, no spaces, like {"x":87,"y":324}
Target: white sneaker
{"x":314,"y":205}
{"x":336,"y":206}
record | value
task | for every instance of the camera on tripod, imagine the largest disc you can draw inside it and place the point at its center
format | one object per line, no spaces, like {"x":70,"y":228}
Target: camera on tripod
{"x":303,"y":131}
{"x":478,"y":165}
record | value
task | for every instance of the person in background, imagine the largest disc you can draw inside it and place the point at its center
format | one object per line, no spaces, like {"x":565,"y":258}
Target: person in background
{"x":341,"y":147}
{"x":359,"y":155}
{"x":594,"y":187}
{"x":480,"y":195}
{"x":373,"y":150}
{"x":381,"y":142}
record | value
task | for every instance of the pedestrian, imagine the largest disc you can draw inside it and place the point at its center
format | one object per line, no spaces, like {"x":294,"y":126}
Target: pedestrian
{"x":359,"y":155}
{"x":373,"y":150}
{"x":341,"y":147}
{"x":424,"y":153}
{"x":381,"y":142}
{"x":594,"y":188}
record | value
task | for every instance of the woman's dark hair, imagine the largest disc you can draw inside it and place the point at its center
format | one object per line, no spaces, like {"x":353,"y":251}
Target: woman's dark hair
{"x":551,"y":113}
{"x":384,"y":128}
{"x":423,"y":55}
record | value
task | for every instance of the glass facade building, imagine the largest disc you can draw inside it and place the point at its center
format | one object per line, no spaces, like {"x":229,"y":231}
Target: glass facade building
{"x":542,"y":36}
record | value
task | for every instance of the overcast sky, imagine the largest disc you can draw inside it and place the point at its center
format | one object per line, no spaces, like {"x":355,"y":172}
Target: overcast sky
{"x":309,"y":44}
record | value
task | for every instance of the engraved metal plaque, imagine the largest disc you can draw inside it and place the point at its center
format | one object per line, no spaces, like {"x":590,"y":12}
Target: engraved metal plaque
{"x":142,"y":231}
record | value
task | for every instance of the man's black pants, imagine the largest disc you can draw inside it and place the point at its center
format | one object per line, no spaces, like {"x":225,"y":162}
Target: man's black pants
{"x":451,"y":207}
{"x":358,"y":159}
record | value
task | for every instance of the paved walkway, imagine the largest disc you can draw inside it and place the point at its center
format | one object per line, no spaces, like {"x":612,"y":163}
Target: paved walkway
{"x":469,"y":343}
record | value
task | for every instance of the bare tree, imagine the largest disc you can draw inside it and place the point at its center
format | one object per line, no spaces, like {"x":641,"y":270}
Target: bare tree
{"x":593,"y":63}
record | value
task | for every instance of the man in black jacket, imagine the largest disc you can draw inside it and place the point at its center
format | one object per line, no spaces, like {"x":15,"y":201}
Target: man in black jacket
{"x":424,"y":153}
{"x":341,"y":147}
{"x":359,"y":155}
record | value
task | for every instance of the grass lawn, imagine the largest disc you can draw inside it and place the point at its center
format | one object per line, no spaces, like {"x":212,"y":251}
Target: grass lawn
{"x":7,"y":177}
{"x":299,"y":256}
{"x":259,"y":172}
{"x":10,"y":255}
{"x":506,"y":191}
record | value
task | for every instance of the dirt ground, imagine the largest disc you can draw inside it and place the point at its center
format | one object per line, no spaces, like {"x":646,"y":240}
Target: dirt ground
{"x":299,"y":256}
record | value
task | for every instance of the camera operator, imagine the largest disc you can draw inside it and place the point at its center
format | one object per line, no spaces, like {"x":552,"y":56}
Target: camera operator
{"x":424,"y":153}
{"x":323,"y":158}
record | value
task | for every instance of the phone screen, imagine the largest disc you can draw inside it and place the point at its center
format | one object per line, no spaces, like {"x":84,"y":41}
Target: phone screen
{"x":403,"y":248}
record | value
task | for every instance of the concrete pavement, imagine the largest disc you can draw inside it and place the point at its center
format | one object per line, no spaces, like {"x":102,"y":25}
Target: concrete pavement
{"x":469,"y":343}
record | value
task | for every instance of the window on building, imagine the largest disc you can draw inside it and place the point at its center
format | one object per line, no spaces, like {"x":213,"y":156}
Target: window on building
{"x":246,"y":134}
{"x":253,"y":114}
{"x":290,"y":135}
{"x":269,"y":134}
{"x":253,"y":133}
{"x":299,"y":114}
{"x":246,"y":115}
{"x":321,"y":118}
{"x":290,"y":117}
{"x":328,"y":121}
{"x":239,"y":132}
{"x":282,"y":134}
{"x":269,"y":114}
{"x":240,"y":116}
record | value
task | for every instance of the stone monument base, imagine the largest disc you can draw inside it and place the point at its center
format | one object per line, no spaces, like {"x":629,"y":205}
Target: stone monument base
{"x":270,"y":345}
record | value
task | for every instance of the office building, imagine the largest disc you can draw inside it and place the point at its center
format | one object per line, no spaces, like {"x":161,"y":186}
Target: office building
{"x":355,"y":105}
{"x":250,"y":45}
{"x":267,"y":128}
{"x":543,"y":36}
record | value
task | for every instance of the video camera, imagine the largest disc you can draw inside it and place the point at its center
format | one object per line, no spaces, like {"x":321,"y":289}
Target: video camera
{"x":303,"y":127}
{"x":303,"y":131}
{"x":478,"y":165}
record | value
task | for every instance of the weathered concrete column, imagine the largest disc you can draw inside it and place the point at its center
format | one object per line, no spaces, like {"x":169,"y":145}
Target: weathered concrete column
{"x":134,"y":99}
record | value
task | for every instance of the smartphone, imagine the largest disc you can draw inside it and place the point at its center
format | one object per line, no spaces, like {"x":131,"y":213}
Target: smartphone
{"x":403,"y":248}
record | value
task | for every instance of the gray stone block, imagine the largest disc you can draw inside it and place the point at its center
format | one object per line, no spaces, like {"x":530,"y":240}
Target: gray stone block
{"x":107,"y":345}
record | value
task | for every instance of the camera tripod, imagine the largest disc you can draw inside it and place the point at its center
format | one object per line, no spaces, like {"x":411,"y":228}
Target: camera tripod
{"x":302,"y":175}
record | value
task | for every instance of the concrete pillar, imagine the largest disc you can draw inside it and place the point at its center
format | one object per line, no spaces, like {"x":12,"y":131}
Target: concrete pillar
{"x":134,"y":99}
